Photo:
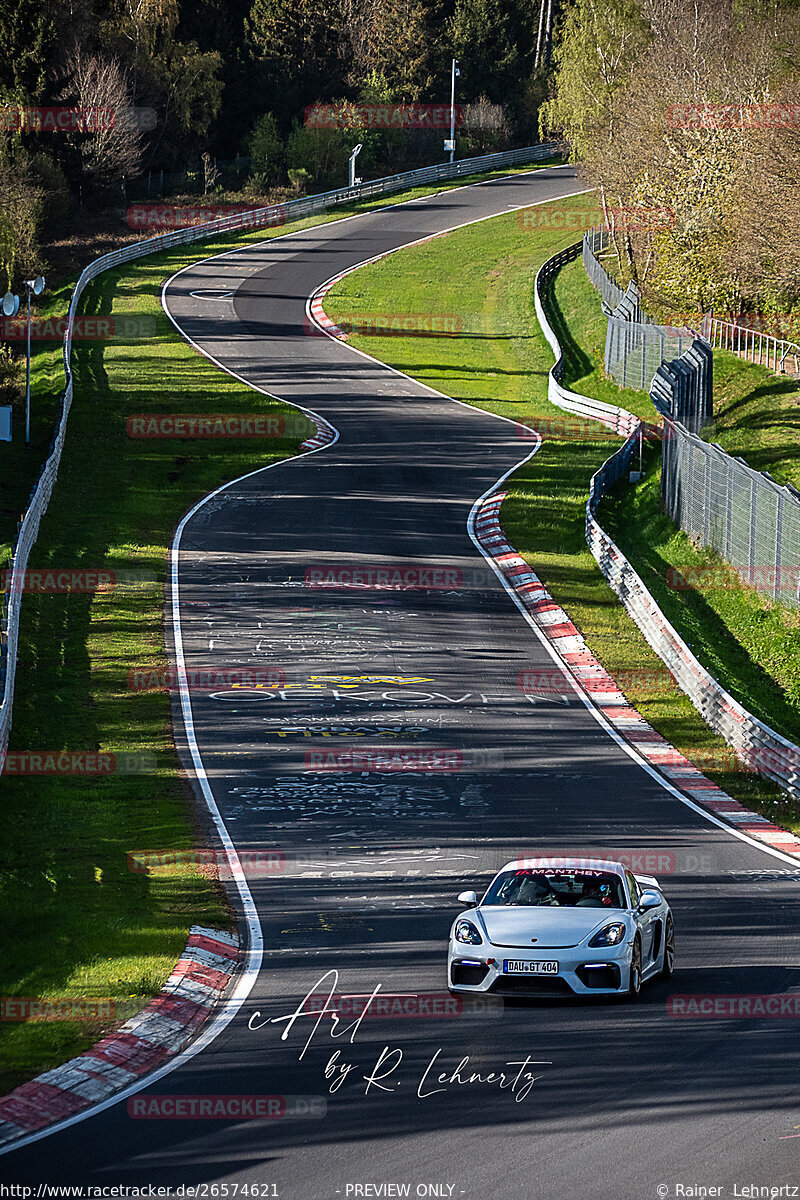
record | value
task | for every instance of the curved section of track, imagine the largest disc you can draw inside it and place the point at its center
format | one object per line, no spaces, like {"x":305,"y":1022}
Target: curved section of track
{"x":627,"y":1097}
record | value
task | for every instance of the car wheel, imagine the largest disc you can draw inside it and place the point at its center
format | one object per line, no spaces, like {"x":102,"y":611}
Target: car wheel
{"x":669,"y":950}
{"x":635,"y":976}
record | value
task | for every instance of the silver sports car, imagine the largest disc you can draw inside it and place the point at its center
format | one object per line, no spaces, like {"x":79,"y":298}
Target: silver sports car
{"x":562,"y":927}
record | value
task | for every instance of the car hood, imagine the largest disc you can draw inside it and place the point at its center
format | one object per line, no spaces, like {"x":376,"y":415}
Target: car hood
{"x":553,"y":928}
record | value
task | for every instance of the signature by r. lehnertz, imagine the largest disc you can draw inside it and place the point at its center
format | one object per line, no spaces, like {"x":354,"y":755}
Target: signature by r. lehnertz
{"x":516,"y":1077}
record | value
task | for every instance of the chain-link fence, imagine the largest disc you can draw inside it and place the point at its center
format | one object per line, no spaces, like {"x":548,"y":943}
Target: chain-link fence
{"x":635,"y":351}
{"x":684,"y":388}
{"x":635,"y":347}
{"x":594,"y":242}
{"x":748,"y":518}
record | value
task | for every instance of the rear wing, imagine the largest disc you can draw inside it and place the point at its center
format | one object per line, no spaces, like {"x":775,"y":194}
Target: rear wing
{"x":648,"y":881}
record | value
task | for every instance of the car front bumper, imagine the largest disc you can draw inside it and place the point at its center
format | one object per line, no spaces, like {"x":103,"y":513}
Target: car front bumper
{"x":582,"y":970}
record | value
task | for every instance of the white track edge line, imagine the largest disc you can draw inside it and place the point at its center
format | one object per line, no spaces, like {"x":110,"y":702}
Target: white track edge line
{"x":218,"y":1021}
{"x":598,"y":715}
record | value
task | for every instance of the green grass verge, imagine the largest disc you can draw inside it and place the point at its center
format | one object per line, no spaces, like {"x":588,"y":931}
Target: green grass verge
{"x":750,"y":644}
{"x":20,"y":464}
{"x":757,"y":416}
{"x":499,"y":362}
{"x":78,"y":922}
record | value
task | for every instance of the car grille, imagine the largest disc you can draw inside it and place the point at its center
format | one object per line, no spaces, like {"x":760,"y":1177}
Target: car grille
{"x":531,"y":985}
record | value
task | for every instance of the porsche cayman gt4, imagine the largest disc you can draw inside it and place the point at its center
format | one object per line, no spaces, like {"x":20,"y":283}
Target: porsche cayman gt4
{"x":566,"y":927}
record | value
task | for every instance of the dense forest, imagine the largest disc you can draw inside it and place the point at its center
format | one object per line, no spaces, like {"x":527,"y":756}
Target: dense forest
{"x":224,"y":87}
{"x":684,"y":114}
{"x":687,"y":117}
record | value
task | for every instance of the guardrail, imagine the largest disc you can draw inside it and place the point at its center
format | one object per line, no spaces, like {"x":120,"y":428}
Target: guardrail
{"x":759,"y":747}
{"x":269,"y":215}
{"x":618,"y":419}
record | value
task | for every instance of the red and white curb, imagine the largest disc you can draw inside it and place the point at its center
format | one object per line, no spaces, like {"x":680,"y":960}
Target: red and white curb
{"x":318,"y":312}
{"x":325,"y":434}
{"x":593,"y":678}
{"x":158,"y":1032}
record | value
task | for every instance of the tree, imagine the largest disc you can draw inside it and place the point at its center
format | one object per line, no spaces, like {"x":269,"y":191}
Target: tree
{"x":20,"y":211}
{"x":322,"y":152}
{"x":175,"y":76}
{"x":601,"y":44}
{"x":662,"y":107}
{"x":389,"y":39}
{"x":267,"y":153}
{"x":297,"y":45}
{"x":493,"y":42}
{"x":114,"y":150}
{"x":29,"y":37}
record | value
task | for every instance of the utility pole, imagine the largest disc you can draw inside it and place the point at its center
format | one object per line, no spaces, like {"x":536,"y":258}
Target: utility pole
{"x":451,"y":146}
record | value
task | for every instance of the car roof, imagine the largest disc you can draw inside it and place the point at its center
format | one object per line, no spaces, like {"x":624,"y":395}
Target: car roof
{"x":559,"y":863}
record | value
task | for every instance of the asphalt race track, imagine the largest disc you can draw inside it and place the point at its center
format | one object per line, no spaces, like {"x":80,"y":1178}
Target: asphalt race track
{"x":626,"y":1097}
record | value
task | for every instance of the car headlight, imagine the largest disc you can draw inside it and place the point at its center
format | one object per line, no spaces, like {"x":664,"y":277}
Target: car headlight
{"x":610,"y":935}
{"x":466,"y":932}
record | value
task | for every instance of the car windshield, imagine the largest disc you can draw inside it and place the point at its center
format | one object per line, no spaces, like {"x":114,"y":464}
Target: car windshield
{"x":557,"y":888}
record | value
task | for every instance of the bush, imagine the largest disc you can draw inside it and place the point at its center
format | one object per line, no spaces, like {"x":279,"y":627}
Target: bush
{"x":298,"y":178}
{"x":257,"y":184}
{"x":322,"y":153}
{"x":57,"y":200}
{"x":267,"y":153}
{"x":10,"y":376}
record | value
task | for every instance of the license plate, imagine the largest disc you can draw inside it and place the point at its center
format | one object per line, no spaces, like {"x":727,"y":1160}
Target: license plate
{"x":517,"y":966}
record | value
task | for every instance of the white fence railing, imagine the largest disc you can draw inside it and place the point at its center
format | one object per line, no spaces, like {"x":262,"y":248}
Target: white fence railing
{"x":271,"y":215}
{"x":755,"y":744}
{"x":777,"y":354}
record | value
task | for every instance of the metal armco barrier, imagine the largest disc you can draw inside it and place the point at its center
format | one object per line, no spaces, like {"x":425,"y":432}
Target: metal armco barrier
{"x":618,"y":419}
{"x":271,"y":215}
{"x":755,"y":744}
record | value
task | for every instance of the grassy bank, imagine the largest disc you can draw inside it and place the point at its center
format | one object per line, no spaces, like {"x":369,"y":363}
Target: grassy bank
{"x":20,"y":464}
{"x":78,"y":922}
{"x":500,"y":362}
{"x":749,"y":643}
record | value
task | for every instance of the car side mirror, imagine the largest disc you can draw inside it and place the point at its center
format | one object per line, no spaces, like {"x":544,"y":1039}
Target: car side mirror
{"x":468,"y":898}
{"x":649,"y":900}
